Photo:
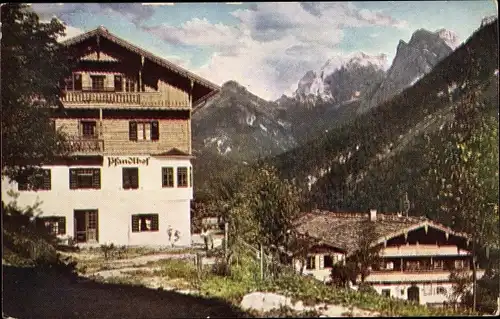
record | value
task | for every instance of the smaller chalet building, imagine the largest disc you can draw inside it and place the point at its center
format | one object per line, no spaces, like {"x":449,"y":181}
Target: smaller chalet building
{"x":417,"y":254}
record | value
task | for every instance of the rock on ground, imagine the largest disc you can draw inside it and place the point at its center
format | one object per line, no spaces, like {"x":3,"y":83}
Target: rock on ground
{"x":266,"y":301}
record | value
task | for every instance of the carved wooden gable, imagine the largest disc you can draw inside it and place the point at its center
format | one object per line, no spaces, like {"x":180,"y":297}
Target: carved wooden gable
{"x":102,"y":56}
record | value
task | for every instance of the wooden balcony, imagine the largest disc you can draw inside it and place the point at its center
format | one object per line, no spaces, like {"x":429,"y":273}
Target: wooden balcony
{"x":123,"y":99}
{"x":85,"y":145}
{"x":412,"y":276}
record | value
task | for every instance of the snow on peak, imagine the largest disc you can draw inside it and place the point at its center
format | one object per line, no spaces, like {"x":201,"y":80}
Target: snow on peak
{"x":360,"y":58}
{"x":450,"y":38}
{"x":488,"y":20}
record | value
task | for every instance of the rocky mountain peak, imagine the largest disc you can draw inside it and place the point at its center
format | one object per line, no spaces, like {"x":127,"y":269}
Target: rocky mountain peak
{"x":449,"y":37}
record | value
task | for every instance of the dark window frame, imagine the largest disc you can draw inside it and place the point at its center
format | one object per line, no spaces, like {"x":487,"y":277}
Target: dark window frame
{"x":130,"y":85}
{"x":39,"y":181}
{"x":96,"y":83}
{"x":386,"y":293}
{"x":60,"y":221}
{"x":154,"y":131}
{"x":86,"y":125}
{"x":130,"y":177}
{"x":182,"y":179}
{"x":139,"y":223}
{"x":118,"y":83}
{"x":89,"y":177}
{"x":328,"y":261}
{"x":311,"y":262}
{"x":167,"y":177}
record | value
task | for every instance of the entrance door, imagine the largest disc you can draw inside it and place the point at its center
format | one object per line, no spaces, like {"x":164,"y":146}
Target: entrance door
{"x":86,"y":225}
{"x":414,"y":294}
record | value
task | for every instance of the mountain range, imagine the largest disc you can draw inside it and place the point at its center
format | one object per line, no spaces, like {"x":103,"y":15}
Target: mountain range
{"x":241,"y":126}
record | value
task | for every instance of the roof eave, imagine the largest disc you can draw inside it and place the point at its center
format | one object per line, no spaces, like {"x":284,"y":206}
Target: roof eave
{"x":163,"y":62}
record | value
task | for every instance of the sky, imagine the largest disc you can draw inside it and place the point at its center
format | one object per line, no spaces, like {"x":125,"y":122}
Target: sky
{"x":267,"y":47}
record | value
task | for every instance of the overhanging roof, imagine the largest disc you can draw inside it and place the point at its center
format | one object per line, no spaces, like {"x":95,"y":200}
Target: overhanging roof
{"x":103,"y":32}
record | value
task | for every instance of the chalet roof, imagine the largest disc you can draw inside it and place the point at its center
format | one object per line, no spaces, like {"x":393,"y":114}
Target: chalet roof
{"x":103,"y":32}
{"x":172,"y":152}
{"x":342,"y":230}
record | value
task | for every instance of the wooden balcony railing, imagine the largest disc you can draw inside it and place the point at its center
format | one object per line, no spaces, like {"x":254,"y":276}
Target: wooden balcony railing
{"x":80,"y":144}
{"x":143,"y":99}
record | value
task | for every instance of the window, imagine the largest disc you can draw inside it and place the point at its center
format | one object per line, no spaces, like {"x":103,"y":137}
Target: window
{"x":386,"y":292}
{"x":129,"y":85}
{"x":130,"y":177}
{"x":73,"y":83}
{"x":118,"y":83}
{"x":438,"y":264}
{"x":88,"y":129}
{"x":311,"y":262}
{"x":144,"y":223}
{"x":55,"y":225}
{"x":97,"y":82}
{"x":167,"y":176}
{"x":191,"y":176}
{"x":40,"y":180}
{"x":441,"y":290}
{"x":85,"y":178}
{"x":461,"y":264}
{"x":182,"y":177}
{"x":328,"y":261}
{"x":389,"y":265}
{"x":140,"y":131}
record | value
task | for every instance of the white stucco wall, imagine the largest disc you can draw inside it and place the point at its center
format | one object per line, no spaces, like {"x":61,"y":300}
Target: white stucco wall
{"x":116,"y":205}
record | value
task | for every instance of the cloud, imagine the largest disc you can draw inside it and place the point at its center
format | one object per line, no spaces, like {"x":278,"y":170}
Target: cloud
{"x":158,"y":4}
{"x":273,"y":44}
{"x":134,"y":12}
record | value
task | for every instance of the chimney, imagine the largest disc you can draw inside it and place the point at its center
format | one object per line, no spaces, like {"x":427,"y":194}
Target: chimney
{"x":373,"y":215}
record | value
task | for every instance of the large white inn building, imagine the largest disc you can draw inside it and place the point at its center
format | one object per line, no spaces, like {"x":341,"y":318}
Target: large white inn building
{"x":128,"y":179}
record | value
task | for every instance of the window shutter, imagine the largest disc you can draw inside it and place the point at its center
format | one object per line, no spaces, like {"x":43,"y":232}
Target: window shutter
{"x":118,"y":83}
{"x":321,"y":262}
{"x":155,"y":131}
{"x":134,"y":178}
{"x":154,"y":222}
{"x":61,"y":227}
{"x":135,"y":223}
{"x":132,"y":131}
{"x":96,"y":178}
{"x":78,"y":82}
{"x":73,"y":180}
{"x":47,"y":179}
{"x":125,"y":177}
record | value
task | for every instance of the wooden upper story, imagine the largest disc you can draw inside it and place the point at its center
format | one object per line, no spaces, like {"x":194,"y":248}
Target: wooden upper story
{"x":120,"y":99}
{"x":113,"y":73}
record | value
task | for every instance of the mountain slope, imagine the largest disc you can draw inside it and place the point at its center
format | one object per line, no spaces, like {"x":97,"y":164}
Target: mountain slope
{"x":240,"y":125}
{"x":331,"y":165}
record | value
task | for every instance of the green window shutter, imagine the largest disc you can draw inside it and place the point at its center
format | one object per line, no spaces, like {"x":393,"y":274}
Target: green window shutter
{"x":155,"y":223}
{"x":135,"y":223}
{"x":155,"y":131}
{"x":96,"y":178}
{"x":73,"y":178}
{"x":61,"y":227}
{"x":47,"y":183}
{"x":132,"y":131}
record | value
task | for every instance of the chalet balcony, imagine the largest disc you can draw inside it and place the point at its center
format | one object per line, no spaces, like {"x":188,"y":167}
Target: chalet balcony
{"x":413,"y":276}
{"x":131,"y":99}
{"x":85,"y":145}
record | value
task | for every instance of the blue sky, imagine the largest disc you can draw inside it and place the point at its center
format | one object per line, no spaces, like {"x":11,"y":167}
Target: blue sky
{"x":268,"y":47}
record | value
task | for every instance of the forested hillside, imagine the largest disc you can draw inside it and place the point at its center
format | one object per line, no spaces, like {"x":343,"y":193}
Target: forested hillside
{"x":382,"y":154}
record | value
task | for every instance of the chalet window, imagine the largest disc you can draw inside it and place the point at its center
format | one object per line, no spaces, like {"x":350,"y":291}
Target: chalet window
{"x":118,"y":83}
{"x":389,"y":265}
{"x":182,"y":177}
{"x":85,"y":178}
{"x":129,"y":85}
{"x":77,"y":82}
{"x":145,"y":223}
{"x":40,"y":180}
{"x":311,"y":262}
{"x":386,"y":292}
{"x":328,"y":261}
{"x":438,"y":264}
{"x":167,"y":176}
{"x":460,"y":264}
{"x":88,"y":129}
{"x":441,"y":290}
{"x":144,"y":131}
{"x":97,"y":82}
{"x":55,"y":225}
{"x":130,"y":177}
{"x":73,"y":83}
